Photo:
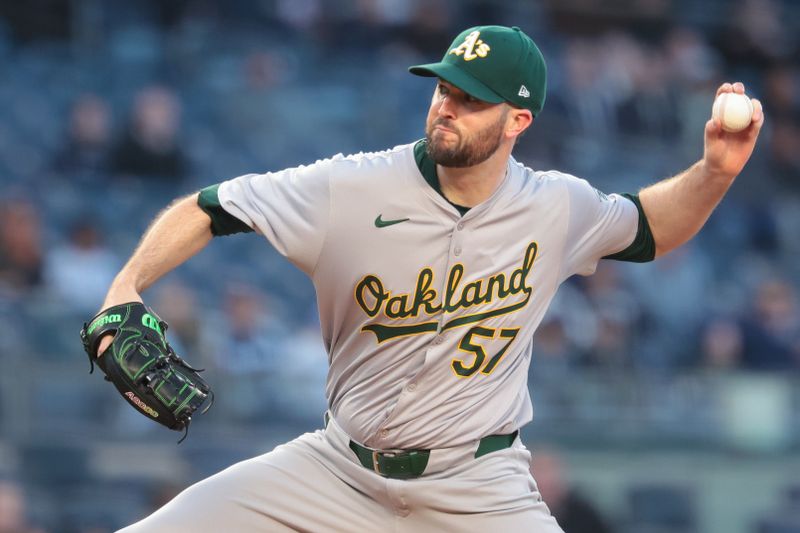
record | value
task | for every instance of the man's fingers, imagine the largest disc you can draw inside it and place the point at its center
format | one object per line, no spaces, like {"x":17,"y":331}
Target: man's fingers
{"x":757,"y":120}
{"x":758,"y":112}
{"x":737,"y":87}
{"x":104,"y":343}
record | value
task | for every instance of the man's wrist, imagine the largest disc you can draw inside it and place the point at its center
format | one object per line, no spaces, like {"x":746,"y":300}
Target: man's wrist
{"x":713,"y":173}
{"x":122,"y":290}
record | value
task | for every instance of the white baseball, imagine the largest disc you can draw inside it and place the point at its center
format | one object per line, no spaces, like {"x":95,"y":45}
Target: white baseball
{"x":733,"y":110}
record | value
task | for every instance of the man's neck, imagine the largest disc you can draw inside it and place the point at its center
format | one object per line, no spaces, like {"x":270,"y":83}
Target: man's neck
{"x":469,"y":186}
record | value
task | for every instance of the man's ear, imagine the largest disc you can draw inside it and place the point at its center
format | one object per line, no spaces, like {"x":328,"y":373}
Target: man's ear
{"x":518,"y":121}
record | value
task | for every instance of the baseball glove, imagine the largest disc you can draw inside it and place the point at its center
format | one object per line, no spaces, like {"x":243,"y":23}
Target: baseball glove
{"x":143,"y":366}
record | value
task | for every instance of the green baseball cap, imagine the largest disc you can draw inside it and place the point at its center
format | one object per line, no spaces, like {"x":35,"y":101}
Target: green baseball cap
{"x":494,"y":64}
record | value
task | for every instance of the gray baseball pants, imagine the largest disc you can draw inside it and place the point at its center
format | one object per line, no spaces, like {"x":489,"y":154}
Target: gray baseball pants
{"x":315,"y":483}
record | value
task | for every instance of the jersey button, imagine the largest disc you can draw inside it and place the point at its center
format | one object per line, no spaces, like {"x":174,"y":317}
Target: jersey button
{"x":384,"y":433}
{"x":412,"y":387}
{"x":457,"y":250}
{"x":460,"y":226}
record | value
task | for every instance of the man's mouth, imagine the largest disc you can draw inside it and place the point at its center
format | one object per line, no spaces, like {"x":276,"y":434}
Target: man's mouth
{"x":443,"y":128}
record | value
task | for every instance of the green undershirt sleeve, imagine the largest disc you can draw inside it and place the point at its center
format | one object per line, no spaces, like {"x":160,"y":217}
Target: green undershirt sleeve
{"x":643,"y":247}
{"x":222,"y":222}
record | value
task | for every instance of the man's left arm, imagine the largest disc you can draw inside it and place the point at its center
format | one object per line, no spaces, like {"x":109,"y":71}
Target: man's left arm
{"x":676,"y":208}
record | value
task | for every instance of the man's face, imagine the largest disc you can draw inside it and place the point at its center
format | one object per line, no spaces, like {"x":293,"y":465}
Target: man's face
{"x":463,"y":131}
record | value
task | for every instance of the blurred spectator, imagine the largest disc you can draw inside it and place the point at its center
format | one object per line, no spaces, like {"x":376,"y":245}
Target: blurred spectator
{"x":254,"y":105}
{"x":81,"y":269}
{"x":428,"y":30}
{"x":694,"y":73}
{"x":612,"y":346}
{"x":301,"y":15}
{"x":553,"y":355}
{"x":646,"y":18}
{"x":574,"y":310}
{"x":782,"y":105}
{"x":651,"y":107}
{"x":721,"y":344}
{"x":13,"y":510}
{"x":566,"y":332}
{"x":783,"y":152}
{"x":676,"y":303}
{"x":86,"y":149}
{"x":619,"y":317}
{"x":772,"y":331}
{"x":150,"y":146}
{"x":250,"y":334}
{"x":21,"y":258}
{"x":249,"y":349}
{"x":574,"y":513}
{"x":781,"y":90}
{"x":589,"y":107}
{"x":756,"y":34}
{"x":305,"y":367}
{"x":691,"y":59}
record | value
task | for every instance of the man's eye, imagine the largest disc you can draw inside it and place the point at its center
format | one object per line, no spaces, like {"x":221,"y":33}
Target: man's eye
{"x":442,"y":89}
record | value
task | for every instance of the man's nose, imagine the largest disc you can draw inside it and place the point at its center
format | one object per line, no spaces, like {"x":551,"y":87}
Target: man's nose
{"x":447,"y":108}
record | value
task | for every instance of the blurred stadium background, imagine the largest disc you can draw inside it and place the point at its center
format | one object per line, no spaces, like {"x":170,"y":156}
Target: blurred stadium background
{"x":667,"y":395}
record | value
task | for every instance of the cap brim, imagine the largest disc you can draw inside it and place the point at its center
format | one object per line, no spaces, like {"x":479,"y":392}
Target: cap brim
{"x":458,"y":77}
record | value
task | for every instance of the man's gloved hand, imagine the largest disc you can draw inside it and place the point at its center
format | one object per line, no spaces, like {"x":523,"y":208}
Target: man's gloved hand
{"x":143,"y":366}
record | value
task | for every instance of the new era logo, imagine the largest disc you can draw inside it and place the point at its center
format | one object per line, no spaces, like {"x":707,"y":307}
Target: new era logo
{"x":524,"y":92}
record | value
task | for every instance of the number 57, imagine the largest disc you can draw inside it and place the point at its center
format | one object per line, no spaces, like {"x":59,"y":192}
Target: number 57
{"x":469,"y":345}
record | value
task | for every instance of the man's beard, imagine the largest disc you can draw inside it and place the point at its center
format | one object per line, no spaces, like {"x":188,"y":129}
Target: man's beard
{"x":466,"y":153}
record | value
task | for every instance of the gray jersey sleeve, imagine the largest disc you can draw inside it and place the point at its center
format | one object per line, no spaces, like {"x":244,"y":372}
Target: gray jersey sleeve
{"x":599,"y":225}
{"x":290,"y":208}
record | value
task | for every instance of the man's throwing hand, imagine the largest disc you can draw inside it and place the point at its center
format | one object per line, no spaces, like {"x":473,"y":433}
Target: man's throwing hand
{"x":726,"y":152}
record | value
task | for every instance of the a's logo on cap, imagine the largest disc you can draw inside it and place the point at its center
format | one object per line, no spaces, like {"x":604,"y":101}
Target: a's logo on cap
{"x":524,"y":92}
{"x":472,"y":47}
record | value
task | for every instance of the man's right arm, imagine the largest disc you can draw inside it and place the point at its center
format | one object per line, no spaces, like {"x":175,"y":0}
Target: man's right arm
{"x":178,"y":233}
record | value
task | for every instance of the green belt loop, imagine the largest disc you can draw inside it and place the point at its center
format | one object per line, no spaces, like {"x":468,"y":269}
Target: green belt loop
{"x":493,"y":443}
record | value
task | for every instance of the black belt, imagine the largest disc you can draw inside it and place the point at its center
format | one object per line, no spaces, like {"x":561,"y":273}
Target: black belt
{"x":407,"y":464}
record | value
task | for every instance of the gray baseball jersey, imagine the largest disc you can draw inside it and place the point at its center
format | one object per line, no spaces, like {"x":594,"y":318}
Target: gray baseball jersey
{"x":428,"y":315}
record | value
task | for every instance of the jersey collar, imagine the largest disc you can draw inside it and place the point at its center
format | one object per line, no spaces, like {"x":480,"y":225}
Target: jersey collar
{"x":427,"y":167}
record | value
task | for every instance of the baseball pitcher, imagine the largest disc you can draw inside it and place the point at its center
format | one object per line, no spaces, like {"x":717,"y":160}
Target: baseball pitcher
{"x":434,"y":263}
